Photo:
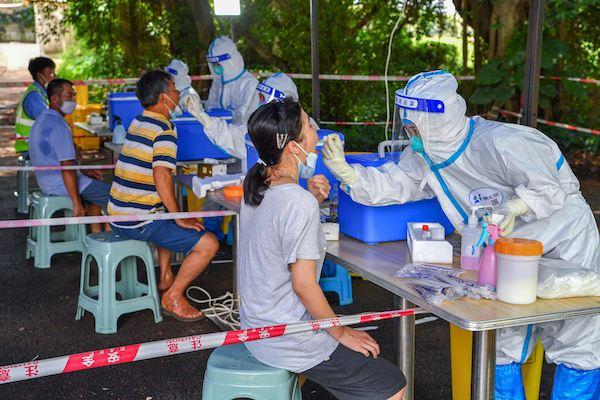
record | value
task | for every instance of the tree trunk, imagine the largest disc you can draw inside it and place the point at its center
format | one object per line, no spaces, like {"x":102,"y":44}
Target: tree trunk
{"x":506,"y":16}
{"x":465,"y":41}
{"x":201,"y":12}
{"x":493,"y":21}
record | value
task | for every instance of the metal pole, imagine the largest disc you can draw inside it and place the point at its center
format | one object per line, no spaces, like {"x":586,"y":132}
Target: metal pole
{"x":483,"y":365}
{"x":533,"y":57}
{"x":234,"y":252}
{"x":23,"y":186}
{"x":314,"y":56}
{"x":404,"y":343}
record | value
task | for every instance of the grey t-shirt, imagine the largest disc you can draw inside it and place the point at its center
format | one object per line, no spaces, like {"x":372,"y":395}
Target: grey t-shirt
{"x":285,"y":227}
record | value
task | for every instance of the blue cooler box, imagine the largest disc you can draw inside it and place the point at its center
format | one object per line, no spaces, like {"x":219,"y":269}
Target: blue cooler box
{"x":192,"y":142}
{"x":373,"y":224}
{"x":252,"y":157}
{"x":125,"y":106}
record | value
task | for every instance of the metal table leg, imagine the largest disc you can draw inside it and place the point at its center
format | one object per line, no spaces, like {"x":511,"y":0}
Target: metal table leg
{"x":179,"y":197}
{"x":404,"y":338}
{"x":23,"y":187}
{"x":483,"y":365}
{"x":234,"y":245}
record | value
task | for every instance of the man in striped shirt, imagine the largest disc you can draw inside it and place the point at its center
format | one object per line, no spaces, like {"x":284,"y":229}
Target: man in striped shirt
{"x":143,"y":184}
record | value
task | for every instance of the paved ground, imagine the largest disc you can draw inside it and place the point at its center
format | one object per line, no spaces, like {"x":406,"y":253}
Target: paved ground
{"x":37,"y":321}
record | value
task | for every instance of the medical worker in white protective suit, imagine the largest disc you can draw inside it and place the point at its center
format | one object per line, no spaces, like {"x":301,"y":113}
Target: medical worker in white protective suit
{"x":466,"y":161}
{"x":231,"y":137}
{"x":234,"y":89}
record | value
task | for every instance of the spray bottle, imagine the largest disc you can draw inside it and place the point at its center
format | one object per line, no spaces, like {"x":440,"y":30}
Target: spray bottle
{"x":469,"y":252}
{"x":488,"y":265}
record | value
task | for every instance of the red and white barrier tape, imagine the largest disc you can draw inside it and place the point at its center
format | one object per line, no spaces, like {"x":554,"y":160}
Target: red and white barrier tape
{"x":352,"y":123}
{"x":102,"y":219}
{"x":161,"y":348}
{"x":332,"y":77}
{"x":552,"y":123}
{"x":580,"y":80}
{"x":13,"y":168}
{"x":26,"y":138}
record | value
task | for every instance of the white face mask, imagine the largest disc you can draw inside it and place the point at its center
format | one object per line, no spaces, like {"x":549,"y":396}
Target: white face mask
{"x":68,"y":106}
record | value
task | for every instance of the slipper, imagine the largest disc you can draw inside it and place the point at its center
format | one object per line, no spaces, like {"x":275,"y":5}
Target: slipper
{"x":180,"y":318}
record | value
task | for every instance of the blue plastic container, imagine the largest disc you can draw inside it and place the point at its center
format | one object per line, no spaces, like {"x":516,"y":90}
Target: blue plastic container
{"x":252,"y":157}
{"x":192,"y":142}
{"x":125,"y":106}
{"x":372,"y":224}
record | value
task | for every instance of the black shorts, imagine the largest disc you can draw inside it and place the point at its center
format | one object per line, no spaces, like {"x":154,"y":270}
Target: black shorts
{"x":349,"y":375}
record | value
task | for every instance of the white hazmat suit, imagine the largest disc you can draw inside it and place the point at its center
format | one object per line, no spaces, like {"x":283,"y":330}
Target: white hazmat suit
{"x":468,"y":161}
{"x":231,"y":137}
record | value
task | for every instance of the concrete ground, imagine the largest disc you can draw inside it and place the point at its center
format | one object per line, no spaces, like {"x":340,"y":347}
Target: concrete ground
{"x":38,"y":321}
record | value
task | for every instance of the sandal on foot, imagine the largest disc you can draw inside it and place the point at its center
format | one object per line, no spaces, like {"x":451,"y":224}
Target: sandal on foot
{"x":178,"y":317}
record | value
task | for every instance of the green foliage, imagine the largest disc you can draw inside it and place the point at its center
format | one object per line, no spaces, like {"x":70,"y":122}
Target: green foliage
{"x":125,"y":37}
{"x":120,"y":37}
{"x":570,"y":49}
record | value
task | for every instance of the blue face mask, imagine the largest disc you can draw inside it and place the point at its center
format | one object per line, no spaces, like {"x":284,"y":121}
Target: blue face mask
{"x":176,"y":112}
{"x":307,"y":171}
{"x":417,"y":144}
{"x":219,"y":69}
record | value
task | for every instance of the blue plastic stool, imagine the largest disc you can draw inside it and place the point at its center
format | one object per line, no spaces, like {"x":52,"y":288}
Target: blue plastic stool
{"x":111,"y":250}
{"x":336,"y":279}
{"x":43,"y":244}
{"x":233,"y":372}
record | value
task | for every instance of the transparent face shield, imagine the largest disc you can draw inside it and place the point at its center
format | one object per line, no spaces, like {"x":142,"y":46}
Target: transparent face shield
{"x":218,"y":59}
{"x":267,"y":93}
{"x":215,"y":63}
{"x":403,"y":127}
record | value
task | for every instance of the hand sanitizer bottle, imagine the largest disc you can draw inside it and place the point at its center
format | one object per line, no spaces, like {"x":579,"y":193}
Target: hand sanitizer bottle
{"x":469,"y":252}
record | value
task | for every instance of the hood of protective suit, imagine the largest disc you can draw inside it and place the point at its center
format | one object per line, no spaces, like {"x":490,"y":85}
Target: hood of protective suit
{"x":283,"y":83}
{"x":232,"y":67}
{"x":442,"y":133}
{"x":180,"y":73}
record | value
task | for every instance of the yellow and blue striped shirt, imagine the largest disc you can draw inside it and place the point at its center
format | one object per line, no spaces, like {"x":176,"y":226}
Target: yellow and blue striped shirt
{"x":151,"y":141}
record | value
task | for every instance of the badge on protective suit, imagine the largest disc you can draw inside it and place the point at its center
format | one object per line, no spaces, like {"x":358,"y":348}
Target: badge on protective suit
{"x":486,"y":196}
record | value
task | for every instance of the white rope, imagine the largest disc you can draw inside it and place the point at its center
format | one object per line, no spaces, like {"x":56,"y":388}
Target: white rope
{"x":225,"y":308}
{"x":387,"y":64}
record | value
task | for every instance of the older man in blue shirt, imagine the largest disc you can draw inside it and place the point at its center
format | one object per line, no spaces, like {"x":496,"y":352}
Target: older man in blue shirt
{"x":51,"y":144}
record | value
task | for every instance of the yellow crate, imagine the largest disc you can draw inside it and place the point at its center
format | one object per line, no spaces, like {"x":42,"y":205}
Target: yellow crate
{"x":89,"y":142}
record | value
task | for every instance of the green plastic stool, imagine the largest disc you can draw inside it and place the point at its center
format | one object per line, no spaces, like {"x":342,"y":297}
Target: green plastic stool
{"x":43,"y":244}
{"x":111,"y":250}
{"x":233,"y":372}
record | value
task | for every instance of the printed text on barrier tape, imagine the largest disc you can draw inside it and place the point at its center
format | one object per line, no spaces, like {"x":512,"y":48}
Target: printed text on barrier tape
{"x":168,"y":347}
{"x":557,"y":124}
{"x":102,"y":219}
{"x":55,"y":167}
{"x":123,"y":81}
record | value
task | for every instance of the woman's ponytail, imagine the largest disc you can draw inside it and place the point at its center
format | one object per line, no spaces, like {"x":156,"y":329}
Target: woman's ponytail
{"x":255,"y":184}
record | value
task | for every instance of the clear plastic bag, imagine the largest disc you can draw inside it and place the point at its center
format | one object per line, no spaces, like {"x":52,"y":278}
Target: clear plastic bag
{"x":559,"y":279}
{"x":436,"y":296}
{"x":437,"y":284}
{"x":423,"y":270}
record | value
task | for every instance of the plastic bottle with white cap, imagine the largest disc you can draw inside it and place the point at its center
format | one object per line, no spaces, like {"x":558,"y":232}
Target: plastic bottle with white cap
{"x":469,"y":252}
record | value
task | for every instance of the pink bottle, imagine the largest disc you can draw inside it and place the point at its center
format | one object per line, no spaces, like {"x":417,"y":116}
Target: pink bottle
{"x":488,"y":263}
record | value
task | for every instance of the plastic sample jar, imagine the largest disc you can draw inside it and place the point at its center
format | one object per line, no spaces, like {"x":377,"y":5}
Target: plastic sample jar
{"x":518,"y":262}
